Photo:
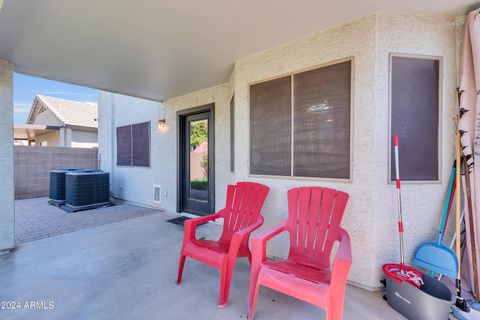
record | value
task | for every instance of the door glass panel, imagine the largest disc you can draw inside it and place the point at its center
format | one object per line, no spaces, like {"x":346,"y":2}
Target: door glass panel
{"x":199,"y":159}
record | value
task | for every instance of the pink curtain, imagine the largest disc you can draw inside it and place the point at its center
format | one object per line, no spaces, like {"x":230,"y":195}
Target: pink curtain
{"x":469,"y":127}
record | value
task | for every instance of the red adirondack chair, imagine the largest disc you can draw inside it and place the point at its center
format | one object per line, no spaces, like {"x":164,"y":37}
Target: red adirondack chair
{"x":241,"y":216}
{"x":314,"y":217}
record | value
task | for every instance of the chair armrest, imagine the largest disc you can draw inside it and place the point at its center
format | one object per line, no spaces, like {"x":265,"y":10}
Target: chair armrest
{"x":190,"y":225}
{"x":250,"y":228}
{"x":266,"y":235}
{"x":259,"y":241}
{"x":342,"y":261}
{"x":240,"y":235}
{"x":259,"y":251}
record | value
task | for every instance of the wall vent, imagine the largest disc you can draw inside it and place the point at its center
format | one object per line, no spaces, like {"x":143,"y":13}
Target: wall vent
{"x":157,"y":194}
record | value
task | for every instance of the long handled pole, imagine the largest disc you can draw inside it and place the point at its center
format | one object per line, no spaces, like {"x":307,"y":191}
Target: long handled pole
{"x":446,"y":207}
{"x":473,"y":242}
{"x":450,"y":203}
{"x":399,"y":203}
{"x":453,"y":242}
{"x":460,"y":302}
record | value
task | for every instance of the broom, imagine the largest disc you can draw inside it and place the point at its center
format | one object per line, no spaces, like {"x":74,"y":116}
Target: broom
{"x":460,"y":303}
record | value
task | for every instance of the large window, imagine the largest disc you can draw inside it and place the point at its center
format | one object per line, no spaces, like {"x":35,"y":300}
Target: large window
{"x":415,"y":87}
{"x":300,"y":124}
{"x":133,"y":145}
{"x":271,"y":127}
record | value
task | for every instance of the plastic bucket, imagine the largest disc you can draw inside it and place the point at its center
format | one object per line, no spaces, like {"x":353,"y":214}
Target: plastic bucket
{"x":430,"y":301}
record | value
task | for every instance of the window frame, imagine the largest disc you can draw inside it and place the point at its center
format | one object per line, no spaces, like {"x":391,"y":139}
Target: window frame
{"x":232,"y":133}
{"x":441,"y":110}
{"x":290,"y":74}
{"x":149,"y":146}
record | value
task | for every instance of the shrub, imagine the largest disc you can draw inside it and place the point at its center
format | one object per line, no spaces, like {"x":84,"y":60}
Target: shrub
{"x":199,"y":184}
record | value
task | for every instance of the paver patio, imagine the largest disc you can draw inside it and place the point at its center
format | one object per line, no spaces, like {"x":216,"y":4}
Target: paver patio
{"x":126,"y":270}
{"x":36,"y":219}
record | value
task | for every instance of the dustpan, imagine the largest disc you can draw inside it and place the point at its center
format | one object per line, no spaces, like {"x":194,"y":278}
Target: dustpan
{"x":435,"y":256}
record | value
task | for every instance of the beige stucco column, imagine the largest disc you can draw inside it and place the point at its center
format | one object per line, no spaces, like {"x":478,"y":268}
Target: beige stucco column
{"x":7,"y":217}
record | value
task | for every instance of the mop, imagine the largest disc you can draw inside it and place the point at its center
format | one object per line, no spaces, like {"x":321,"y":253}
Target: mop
{"x":402,"y":271}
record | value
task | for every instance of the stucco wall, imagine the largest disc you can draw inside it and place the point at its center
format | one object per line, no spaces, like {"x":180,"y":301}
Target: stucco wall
{"x":130,"y":183}
{"x":357,"y":40}
{"x":48,"y":118}
{"x":135,"y":184}
{"x":422,"y":203}
{"x":84,"y":139}
{"x":106,"y":120}
{"x":370,"y":216}
{"x":75,"y":139}
{"x":220,"y":95}
{"x":6,"y":157}
{"x":52,"y":139}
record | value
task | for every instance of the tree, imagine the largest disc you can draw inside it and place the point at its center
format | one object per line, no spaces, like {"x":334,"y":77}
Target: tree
{"x":198,"y":133}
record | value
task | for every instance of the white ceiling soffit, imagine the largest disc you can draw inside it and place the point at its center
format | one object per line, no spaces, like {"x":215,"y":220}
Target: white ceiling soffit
{"x":161,"y":49}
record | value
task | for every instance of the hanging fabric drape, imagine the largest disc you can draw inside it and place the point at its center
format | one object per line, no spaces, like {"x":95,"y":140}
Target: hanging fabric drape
{"x":469,"y":126}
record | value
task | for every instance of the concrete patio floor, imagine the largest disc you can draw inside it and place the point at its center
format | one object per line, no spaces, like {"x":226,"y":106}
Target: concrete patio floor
{"x":36,"y":219}
{"x":126,"y":270}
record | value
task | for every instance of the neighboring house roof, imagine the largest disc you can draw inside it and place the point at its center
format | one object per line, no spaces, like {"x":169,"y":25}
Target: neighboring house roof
{"x":201,"y":148}
{"x":30,"y":131}
{"x":71,"y":113}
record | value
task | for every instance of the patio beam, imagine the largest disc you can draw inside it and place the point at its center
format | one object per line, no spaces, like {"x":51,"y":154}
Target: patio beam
{"x":7,"y":204}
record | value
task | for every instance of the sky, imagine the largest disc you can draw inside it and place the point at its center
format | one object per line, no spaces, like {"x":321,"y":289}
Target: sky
{"x":25,"y":88}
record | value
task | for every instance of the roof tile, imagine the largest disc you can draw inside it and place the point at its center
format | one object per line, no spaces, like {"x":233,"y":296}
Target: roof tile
{"x":74,"y":113}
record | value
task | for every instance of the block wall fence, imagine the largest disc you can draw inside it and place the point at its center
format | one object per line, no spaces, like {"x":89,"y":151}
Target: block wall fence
{"x":33,"y":165}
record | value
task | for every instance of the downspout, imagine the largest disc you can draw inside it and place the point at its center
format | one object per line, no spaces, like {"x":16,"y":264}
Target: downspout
{"x":112,"y":143}
{"x":64,"y":136}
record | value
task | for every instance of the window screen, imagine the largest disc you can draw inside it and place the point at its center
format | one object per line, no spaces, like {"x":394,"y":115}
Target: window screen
{"x":232,"y":134}
{"x":270,"y":127}
{"x":133,"y":145}
{"x":124,"y":146}
{"x":415,"y":116}
{"x":141,"y":144}
{"x":322,"y":122}
{"x":318,"y":144}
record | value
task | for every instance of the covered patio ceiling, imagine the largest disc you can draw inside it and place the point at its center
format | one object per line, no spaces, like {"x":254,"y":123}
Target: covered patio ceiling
{"x":161,"y":49}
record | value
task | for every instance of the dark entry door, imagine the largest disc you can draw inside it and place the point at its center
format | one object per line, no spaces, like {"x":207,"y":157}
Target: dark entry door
{"x":197,"y":178}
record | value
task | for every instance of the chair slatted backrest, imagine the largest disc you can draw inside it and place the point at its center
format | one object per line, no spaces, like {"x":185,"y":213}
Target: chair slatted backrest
{"x":242,"y":208}
{"x":314,"y":215}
